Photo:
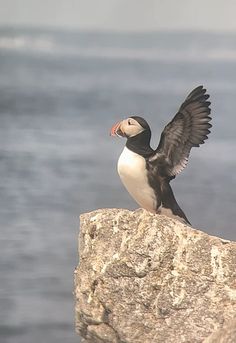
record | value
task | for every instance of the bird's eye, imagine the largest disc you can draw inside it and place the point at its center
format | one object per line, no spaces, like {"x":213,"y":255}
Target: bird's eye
{"x":129,"y":122}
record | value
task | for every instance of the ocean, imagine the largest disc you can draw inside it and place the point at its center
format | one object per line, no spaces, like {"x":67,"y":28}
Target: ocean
{"x":60,"y":93}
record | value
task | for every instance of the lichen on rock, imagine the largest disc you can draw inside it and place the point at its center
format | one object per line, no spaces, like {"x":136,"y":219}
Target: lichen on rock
{"x":148,"y":278}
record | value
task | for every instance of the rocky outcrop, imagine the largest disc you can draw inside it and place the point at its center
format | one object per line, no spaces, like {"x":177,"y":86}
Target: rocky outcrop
{"x":148,"y":278}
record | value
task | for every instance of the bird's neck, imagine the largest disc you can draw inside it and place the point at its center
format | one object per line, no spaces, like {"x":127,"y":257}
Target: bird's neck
{"x":140,"y":144}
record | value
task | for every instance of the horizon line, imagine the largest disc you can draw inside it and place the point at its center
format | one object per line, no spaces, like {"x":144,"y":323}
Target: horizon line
{"x":59,"y":28}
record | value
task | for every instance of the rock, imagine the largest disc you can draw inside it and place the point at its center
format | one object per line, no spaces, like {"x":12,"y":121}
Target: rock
{"x":227,"y":334}
{"x":148,"y":278}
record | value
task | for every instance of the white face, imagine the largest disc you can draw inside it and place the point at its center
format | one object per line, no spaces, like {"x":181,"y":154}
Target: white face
{"x":130,"y":127}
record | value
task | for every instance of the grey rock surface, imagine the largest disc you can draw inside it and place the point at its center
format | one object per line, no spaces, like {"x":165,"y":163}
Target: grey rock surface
{"x":148,"y":278}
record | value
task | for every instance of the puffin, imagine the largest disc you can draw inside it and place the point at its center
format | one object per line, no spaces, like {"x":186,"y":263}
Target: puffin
{"x":145,"y":172}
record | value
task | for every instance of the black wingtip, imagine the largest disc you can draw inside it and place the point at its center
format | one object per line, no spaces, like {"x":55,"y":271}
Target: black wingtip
{"x":198,"y":93}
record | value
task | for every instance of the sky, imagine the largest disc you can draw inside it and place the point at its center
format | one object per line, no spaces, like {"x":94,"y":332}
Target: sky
{"x":121,"y":15}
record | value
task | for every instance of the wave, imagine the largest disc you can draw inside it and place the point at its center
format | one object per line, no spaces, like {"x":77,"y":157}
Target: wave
{"x":48,"y":44}
{"x":26,"y":43}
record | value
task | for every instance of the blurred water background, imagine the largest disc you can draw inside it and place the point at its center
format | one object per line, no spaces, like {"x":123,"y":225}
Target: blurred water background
{"x":60,"y":92}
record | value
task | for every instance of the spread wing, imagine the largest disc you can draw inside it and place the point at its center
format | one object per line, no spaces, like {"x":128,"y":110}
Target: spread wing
{"x":189,"y":128}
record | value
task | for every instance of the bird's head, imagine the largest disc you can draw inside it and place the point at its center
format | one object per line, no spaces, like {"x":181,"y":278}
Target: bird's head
{"x":130,"y":127}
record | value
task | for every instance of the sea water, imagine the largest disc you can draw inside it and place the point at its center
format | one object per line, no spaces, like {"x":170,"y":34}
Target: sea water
{"x":60,"y":92}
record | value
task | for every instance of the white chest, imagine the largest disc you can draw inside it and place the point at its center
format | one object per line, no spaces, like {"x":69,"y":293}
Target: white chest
{"x":133,"y":174}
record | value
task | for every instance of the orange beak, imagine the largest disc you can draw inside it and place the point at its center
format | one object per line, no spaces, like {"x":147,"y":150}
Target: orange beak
{"x":114,"y":129}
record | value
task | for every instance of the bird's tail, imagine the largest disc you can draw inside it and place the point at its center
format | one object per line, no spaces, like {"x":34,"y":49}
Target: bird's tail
{"x":170,"y":206}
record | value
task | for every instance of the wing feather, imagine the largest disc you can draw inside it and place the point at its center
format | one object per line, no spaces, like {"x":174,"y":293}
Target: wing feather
{"x":189,"y":128}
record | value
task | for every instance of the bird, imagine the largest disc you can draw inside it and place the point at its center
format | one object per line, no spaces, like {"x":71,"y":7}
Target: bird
{"x":145,"y":172}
